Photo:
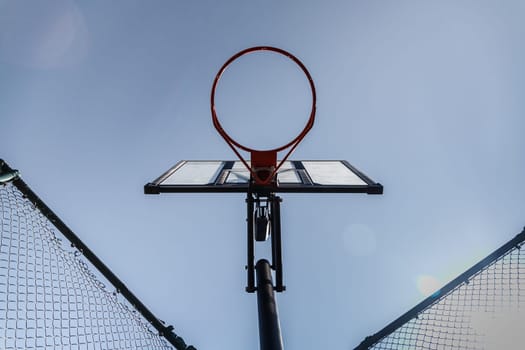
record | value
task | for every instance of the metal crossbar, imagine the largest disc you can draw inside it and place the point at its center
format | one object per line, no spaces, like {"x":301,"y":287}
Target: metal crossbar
{"x":51,"y":294}
{"x":484,"y":308}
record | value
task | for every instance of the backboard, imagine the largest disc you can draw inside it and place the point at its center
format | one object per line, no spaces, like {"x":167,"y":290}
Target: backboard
{"x":298,"y":176}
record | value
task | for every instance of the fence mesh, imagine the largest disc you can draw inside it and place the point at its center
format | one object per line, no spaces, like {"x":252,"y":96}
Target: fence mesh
{"x":485,"y":312}
{"x":49,"y":298}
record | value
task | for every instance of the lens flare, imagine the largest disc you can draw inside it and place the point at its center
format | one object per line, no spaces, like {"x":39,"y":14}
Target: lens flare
{"x":43,"y":35}
{"x":428,"y":285}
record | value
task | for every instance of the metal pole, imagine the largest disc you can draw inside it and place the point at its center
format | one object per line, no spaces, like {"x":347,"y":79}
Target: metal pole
{"x":269,"y":327}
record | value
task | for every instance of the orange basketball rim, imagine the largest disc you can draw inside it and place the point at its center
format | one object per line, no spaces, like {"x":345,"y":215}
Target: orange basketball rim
{"x":264,"y":165}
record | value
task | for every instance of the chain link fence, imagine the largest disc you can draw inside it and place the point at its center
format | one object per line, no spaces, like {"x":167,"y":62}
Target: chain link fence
{"x":482,"y":309}
{"x":49,"y":296}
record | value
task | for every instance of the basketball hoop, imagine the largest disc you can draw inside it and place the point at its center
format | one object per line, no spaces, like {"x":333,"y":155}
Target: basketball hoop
{"x":261,"y":181}
{"x":264,"y":165}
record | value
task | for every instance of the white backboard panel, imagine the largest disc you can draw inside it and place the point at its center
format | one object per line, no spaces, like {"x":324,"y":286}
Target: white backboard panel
{"x":308,"y":176}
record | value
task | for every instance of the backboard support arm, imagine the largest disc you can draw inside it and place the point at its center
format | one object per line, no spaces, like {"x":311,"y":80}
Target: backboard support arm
{"x":250,"y":240}
{"x":277,"y":256}
{"x":253,"y":202}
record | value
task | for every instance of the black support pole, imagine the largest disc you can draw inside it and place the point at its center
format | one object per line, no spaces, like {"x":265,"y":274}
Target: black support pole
{"x":269,"y":328}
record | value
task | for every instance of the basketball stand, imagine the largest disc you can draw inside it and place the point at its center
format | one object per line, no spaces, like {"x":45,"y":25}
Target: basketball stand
{"x":261,"y":178}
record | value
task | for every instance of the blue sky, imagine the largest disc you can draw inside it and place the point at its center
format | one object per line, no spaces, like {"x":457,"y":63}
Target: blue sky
{"x":98,"y":98}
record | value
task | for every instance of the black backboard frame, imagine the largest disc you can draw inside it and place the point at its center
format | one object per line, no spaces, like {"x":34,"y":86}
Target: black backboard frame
{"x":157,"y":186}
